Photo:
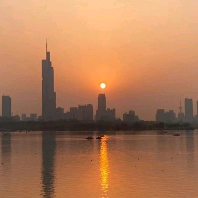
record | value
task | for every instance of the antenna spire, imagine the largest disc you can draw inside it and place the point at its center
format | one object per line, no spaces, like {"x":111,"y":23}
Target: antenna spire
{"x":46,"y":45}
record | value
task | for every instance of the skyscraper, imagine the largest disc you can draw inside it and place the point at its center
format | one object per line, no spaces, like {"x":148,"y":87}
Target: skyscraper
{"x":48,"y":94}
{"x":160,"y":115}
{"x":6,"y":106}
{"x":188,"y":110}
{"x":181,"y":116}
{"x":101,"y":112}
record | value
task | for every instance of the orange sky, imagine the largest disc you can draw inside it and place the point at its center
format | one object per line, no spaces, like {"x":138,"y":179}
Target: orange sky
{"x":146,"y":52}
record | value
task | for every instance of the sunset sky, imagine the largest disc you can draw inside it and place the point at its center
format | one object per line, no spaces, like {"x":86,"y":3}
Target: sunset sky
{"x":145,"y":50}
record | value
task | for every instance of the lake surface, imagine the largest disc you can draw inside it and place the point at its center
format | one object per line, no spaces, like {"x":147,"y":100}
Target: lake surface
{"x":149,"y":164}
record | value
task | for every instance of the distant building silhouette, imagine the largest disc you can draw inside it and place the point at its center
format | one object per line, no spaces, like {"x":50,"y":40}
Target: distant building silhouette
{"x":74,"y":113}
{"x":188,"y":110}
{"x":130,"y":117}
{"x":48,"y":94}
{"x":85,"y":112}
{"x":32,"y":117}
{"x":160,"y":115}
{"x":67,"y":116}
{"x":101,"y":112}
{"x":23,"y":117}
{"x":181,"y":116}
{"x":16,"y":118}
{"x":82,"y":113}
{"x":59,"y":113}
{"x":166,"y":117}
{"x":170,"y":117}
{"x":110,"y":114}
{"x":6,"y":106}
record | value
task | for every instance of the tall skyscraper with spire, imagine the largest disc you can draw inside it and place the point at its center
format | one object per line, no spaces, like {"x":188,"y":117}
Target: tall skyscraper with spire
{"x":48,"y":93}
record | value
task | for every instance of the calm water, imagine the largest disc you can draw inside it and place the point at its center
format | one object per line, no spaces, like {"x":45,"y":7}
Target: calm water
{"x":123,"y":164}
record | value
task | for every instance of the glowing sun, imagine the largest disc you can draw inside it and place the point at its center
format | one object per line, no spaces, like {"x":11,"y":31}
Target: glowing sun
{"x":102,"y":85}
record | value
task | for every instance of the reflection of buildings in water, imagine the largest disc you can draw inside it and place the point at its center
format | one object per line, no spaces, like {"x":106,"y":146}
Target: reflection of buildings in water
{"x":190,"y":147}
{"x":6,"y":148}
{"x":48,"y":160}
{"x":104,"y":167}
{"x":190,"y":141}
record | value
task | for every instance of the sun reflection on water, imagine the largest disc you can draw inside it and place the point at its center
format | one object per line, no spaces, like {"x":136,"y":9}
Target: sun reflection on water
{"x":104,"y":167}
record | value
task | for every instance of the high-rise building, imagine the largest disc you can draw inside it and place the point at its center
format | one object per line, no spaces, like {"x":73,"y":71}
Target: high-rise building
{"x":101,"y":112}
{"x":48,"y":93}
{"x":160,"y":115}
{"x":6,"y":106}
{"x":170,"y":117}
{"x":188,"y":110}
{"x":89,"y":112}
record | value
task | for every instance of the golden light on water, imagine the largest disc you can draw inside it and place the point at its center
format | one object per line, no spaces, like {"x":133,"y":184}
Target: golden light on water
{"x":102,"y":85}
{"x":104,"y":167}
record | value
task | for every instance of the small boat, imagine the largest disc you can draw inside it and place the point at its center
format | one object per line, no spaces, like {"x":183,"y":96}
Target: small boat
{"x":176,"y":134}
{"x":99,"y":138}
{"x":89,"y":138}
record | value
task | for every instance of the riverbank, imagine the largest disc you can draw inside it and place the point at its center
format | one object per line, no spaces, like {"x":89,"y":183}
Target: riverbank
{"x":74,"y":125}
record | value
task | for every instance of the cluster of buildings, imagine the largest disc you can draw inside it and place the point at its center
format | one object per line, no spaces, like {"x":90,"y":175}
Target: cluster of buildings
{"x":82,"y":112}
{"x":85,"y":112}
{"x":7,"y":111}
{"x":171,"y":117}
{"x":51,"y":113}
{"x":130,"y":117}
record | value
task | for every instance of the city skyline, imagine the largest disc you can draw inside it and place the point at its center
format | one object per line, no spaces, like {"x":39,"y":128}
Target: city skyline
{"x":98,"y":98}
{"x":146,"y":54}
{"x":49,"y":84}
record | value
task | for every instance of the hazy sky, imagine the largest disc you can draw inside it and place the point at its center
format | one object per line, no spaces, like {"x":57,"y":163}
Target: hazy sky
{"x":145,"y":50}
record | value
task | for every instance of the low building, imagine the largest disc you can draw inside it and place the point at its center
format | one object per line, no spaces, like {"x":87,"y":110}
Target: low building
{"x":130,"y":117}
